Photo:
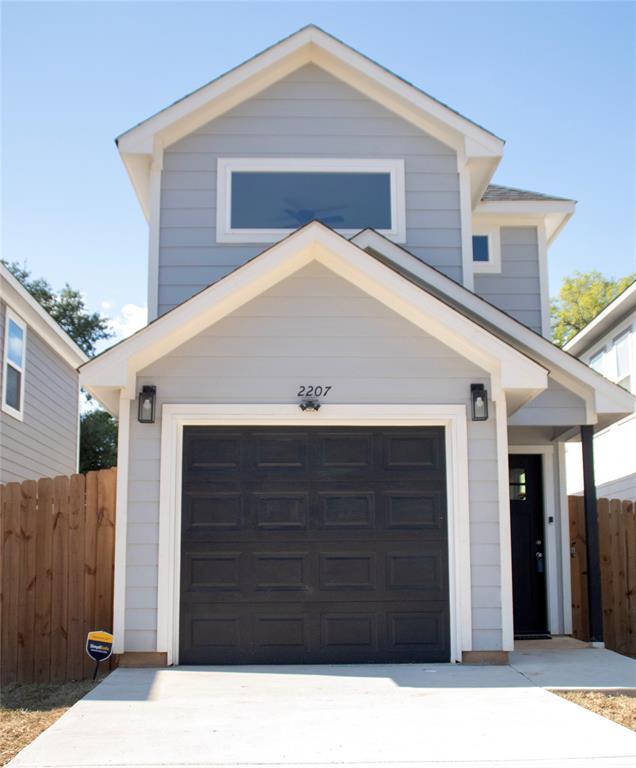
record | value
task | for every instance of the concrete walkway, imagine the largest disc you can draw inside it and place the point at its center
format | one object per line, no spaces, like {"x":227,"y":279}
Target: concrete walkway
{"x":361,"y":716}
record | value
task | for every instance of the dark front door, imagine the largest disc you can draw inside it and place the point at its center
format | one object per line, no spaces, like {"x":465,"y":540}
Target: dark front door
{"x":528,"y":545}
{"x":313,"y":545}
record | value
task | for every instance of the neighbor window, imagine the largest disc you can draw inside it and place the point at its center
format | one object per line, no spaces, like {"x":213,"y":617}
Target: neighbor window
{"x":486,"y":248}
{"x":597,"y":360}
{"x":622,"y":359}
{"x":261,"y":200}
{"x":13,"y":365}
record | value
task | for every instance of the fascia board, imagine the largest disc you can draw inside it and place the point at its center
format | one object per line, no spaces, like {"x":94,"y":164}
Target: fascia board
{"x":309,"y":45}
{"x":616,"y":311}
{"x":513,"y":369}
{"x":574,"y":374}
{"x":21,"y":301}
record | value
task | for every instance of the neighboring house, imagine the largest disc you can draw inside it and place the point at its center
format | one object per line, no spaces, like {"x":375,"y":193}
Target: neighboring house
{"x":39,"y":410}
{"x":253,"y":527}
{"x":608,"y":345}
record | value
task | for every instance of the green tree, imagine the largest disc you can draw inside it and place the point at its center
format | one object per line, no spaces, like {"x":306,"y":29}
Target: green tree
{"x":66,"y":307}
{"x":98,"y":441}
{"x":581,"y":298}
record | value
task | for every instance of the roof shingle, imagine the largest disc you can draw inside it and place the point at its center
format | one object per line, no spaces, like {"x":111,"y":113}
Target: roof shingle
{"x":496,"y":192}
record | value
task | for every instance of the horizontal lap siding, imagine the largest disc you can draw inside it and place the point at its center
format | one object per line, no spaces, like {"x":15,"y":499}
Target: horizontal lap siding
{"x":516,"y":289}
{"x":312,"y":328}
{"x":557,"y":406}
{"x":44,"y":444}
{"x":307,"y":114}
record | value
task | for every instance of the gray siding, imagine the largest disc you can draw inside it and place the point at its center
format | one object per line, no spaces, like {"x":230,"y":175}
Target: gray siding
{"x":313,"y":327}
{"x":516,"y":289}
{"x":307,"y":114}
{"x":44,"y":444}
{"x":557,"y":406}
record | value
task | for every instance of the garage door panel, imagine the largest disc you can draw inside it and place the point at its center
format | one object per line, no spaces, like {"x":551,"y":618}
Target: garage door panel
{"x":328,"y":634}
{"x":326,"y":545}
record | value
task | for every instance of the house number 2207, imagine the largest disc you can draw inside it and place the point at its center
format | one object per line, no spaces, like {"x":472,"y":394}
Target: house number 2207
{"x":315,"y":390}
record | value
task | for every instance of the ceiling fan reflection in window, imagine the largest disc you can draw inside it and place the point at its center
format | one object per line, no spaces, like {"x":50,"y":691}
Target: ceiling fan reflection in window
{"x":297,"y":215}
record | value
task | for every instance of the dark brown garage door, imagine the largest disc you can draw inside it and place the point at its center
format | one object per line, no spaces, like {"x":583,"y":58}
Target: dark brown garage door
{"x":313,"y":545}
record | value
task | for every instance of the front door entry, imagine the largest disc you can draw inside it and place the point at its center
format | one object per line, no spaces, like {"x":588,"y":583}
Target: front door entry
{"x":528,"y":546}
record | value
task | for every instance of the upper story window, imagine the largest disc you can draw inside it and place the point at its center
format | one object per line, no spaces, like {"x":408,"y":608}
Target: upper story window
{"x":13,"y":365}
{"x":486,"y":249}
{"x":263,"y":199}
{"x":621,"y":359}
{"x":597,"y":360}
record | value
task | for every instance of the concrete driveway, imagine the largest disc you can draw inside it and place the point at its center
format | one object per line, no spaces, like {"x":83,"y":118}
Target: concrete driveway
{"x":362,"y":716}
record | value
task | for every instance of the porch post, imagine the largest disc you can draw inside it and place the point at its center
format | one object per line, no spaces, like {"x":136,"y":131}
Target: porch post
{"x":594,"y":598}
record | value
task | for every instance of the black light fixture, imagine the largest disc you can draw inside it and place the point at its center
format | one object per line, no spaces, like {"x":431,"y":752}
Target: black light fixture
{"x":479,"y":402}
{"x":146,"y":410}
{"x":309,"y":405}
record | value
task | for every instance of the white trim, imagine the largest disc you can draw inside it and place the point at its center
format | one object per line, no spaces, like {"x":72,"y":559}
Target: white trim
{"x":121,"y":527}
{"x":603,"y":323}
{"x":154,"y":226}
{"x":492,"y":232}
{"x":466,"y":221}
{"x":550,"y":492}
{"x":544,"y":287}
{"x":40,"y":320}
{"x":554,"y":214}
{"x":601,"y":395}
{"x":226,"y":166}
{"x":566,"y":556}
{"x":315,"y":242}
{"x":505,"y":545}
{"x":308,"y":45}
{"x":11,"y":317}
{"x":175,"y":417}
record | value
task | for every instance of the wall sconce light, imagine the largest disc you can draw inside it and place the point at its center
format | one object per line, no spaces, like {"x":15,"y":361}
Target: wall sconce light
{"x":147,"y":399}
{"x":309,"y":405}
{"x":479,"y":402}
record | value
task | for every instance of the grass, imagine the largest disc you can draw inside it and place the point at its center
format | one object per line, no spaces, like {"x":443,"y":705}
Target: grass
{"x":618,"y":707}
{"x":27,"y":710}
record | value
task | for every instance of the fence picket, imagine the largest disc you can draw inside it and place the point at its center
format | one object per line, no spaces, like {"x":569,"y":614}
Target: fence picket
{"x":49,"y":547}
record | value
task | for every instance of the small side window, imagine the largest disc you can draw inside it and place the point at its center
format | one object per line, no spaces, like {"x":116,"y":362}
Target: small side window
{"x":486,"y":248}
{"x":480,"y":248}
{"x":13,"y":365}
{"x":622,"y":362}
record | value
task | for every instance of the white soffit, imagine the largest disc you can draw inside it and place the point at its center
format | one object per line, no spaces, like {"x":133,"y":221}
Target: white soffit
{"x":308,"y":45}
{"x":554,"y":214}
{"x":510,"y":369}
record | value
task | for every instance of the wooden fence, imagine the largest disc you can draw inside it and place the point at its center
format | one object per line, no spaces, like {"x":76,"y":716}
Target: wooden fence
{"x":617,"y":543}
{"x":56,"y":576}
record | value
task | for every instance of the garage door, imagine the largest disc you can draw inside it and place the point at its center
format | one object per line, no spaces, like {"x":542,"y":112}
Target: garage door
{"x":313,"y":545}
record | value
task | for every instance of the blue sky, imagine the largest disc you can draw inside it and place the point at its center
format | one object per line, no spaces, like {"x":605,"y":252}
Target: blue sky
{"x":556,"y":80}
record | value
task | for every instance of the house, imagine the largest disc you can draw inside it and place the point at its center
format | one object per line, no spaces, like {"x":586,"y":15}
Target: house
{"x":608,"y":345}
{"x":39,"y":410}
{"x":347,"y":351}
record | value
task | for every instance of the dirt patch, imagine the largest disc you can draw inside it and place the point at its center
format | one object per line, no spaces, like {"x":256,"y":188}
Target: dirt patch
{"x":618,"y":707}
{"x":27,"y":710}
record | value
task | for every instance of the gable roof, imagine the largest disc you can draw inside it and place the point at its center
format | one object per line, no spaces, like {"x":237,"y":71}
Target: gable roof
{"x":144,"y":143}
{"x":36,"y":317}
{"x":608,"y":398}
{"x":615,"y":312}
{"x":116,"y":368}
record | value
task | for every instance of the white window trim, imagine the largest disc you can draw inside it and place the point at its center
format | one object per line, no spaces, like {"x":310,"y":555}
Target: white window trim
{"x":10,"y":315}
{"x":493,"y":265}
{"x":227,"y":165}
{"x":175,"y":417}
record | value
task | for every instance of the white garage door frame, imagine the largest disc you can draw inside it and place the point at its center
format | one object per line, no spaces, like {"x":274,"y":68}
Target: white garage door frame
{"x":177,"y":416}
